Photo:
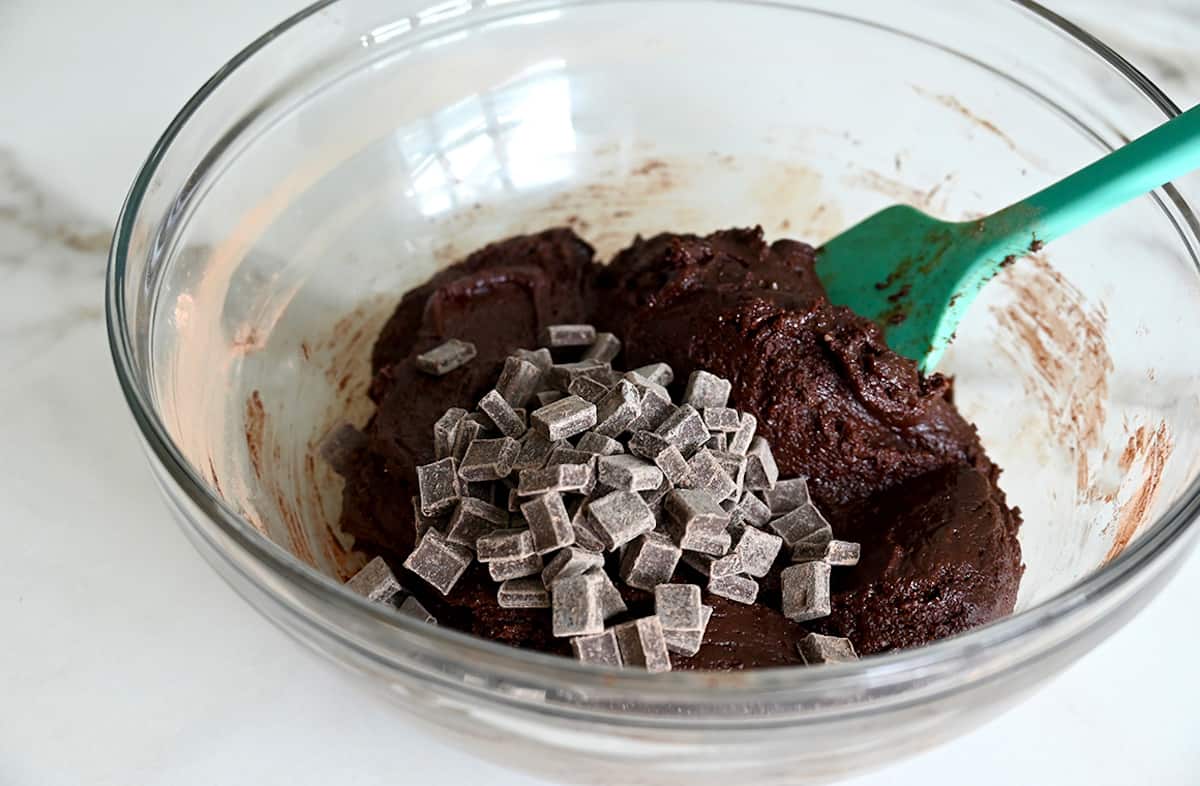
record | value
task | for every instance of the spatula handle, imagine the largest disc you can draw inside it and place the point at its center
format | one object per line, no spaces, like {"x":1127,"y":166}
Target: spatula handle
{"x":1164,"y":154}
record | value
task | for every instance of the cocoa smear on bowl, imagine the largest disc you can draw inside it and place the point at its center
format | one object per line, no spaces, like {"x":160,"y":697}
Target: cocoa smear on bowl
{"x":1058,"y":340}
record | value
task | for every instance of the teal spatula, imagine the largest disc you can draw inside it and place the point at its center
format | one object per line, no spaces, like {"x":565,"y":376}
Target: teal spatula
{"x":916,"y":276}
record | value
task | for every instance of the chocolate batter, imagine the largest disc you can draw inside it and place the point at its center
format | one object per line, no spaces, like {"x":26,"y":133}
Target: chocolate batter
{"x":889,"y":459}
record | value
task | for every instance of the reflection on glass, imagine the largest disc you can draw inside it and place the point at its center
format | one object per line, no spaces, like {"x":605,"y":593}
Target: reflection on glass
{"x":442,"y":11}
{"x":518,"y":135}
{"x":386,"y":32}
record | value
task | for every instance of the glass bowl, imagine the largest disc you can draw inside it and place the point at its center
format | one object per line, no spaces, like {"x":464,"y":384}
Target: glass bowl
{"x":362,"y":144}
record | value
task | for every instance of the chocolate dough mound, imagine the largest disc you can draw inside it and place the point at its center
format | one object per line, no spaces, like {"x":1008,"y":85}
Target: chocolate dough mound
{"x":889,"y":459}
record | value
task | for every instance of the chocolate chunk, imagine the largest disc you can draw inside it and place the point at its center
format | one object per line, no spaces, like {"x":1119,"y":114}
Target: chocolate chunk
{"x":628,"y":473}
{"x":422,"y":523}
{"x":375,"y":581}
{"x":339,"y":446}
{"x":675,"y":467}
{"x":802,"y":523}
{"x":805,"y":591}
{"x":503,"y":417}
{"x":563,"y":454}
{"x":735,"y":467}
{"x":571,"y":561}
{"x":535,"y":450}
{"x":842,"y":552}
{"x":523,"y":593}
{"x":600,"y":445}
{"x":619,"y":517}
{"x":658,"y":373}
{"x":713,"y":566}
{"x":568,"y":335}
{"x":684,"y":428}
{"x":695,"y":510}
{"x":587,"y":389}
{"x":484,"y":422}
{"x":611,"y":602}
{"x":439,"y":562}
{"x":678,"y":607}
{"x":563,"y":374}
{"x":504,"y":544}
{"x":540,"y":357}
{"x":468,"y":431}
{"x":481,"y":490}
{"x":725,"y":565}
{"x":739,"y":589}
{"x":575,"y":606}
{"x":816,"y":649}
{"x":446,"y":357}
{"x":519,"y":380}
{"x":517,"y":568}
{"x":706,"y":390}
{"x":444,"y":431}
{"x":584,"y":528}
{"x":709,"y":475}
{"x":647,"y":444}
{"x":560,"y":478}
{"x":649,"y":560}
{"x":740,"y":440}
{"x":439,"y":486}
{"x":787,"y":495}
{"x":761,"y":471}
{"x":655,"y":496}
{"x":605,"y":348}
{"x":564,"y":418}
{"x":687,"y":642}
{"x":545,"y":397}
{"x":473,"y":518}
{"x":716,"y":544}
{"x":698,"y":562}
{"x":642,"y":643}
{"x":413,"y":608}
{"x":489,"y":459}
{"x":655,"y":406}
{"x":721,"y":418}
{"x":812,"y":546}
{"x":717,"y":443}
{"x":549,"y":522}
{"x":757,"y":550}
{"x":600,"y":649}
{"x":749,"y":510}
{"x":618,"y":409}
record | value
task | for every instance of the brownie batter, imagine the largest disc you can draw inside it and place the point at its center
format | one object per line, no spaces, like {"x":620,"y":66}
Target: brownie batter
{"x":890,"y":461}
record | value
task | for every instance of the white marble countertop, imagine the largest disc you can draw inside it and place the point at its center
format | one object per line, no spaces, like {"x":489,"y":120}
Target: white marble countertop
{"x":108,"y":675}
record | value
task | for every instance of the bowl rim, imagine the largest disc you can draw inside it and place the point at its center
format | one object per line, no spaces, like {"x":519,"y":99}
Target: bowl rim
{"x":474,"y":653}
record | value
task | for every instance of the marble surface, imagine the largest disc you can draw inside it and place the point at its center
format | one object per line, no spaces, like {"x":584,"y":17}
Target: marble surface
{"x":108,"y":674}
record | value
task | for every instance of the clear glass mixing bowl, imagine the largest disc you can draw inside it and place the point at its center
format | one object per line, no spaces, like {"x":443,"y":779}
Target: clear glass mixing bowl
{"x":360,"y":145}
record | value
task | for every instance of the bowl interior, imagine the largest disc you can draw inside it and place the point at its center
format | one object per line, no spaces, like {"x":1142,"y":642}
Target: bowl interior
{"x":400,"y":143}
